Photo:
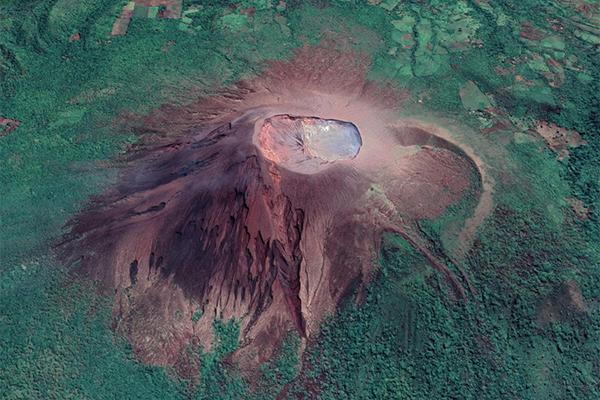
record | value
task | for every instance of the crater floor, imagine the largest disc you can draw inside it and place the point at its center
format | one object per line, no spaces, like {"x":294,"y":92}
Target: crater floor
{"x":308,"y":144}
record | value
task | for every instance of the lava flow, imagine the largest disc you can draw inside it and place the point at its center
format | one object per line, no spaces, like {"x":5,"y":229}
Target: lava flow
{"x":264,"y":204}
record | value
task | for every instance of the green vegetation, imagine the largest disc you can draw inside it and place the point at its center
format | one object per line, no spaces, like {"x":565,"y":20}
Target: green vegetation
{"x":281,"y":370}
{"x":56,"y":343}
{"x":409,"y":338}
{"x":216,"y":381}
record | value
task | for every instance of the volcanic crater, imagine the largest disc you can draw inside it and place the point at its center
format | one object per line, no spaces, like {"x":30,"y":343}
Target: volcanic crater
{"x":307,"y":144}
{"x":264,"y":203}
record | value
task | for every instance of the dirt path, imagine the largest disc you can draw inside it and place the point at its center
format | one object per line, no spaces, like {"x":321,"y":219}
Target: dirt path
{"x":485,"y":204}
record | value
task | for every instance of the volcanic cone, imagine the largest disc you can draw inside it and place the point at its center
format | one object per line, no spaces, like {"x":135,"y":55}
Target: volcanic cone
{"x":265,"y":204}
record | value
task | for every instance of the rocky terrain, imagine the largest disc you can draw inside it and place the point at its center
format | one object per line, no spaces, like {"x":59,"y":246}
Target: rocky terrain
{"x":236,"y":207}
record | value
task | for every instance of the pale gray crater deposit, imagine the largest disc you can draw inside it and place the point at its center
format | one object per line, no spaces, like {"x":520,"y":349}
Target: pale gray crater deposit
{"x":308,"y":144}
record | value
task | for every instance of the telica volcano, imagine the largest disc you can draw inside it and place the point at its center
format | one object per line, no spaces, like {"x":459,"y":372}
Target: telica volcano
{"x":264,"y":204}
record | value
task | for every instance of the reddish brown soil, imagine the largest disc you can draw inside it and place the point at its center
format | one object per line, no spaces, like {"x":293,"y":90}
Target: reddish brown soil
{"x":202,"y":220}
{"x":8,"y":125}
{"x":75,"y":37}
{"x":581,"y":211}
{"x":562,"y":304}
{"x":559,"y":139}
{"x":528,"y":31}
{"x":172,"y":10}
{"x":122,"y":22}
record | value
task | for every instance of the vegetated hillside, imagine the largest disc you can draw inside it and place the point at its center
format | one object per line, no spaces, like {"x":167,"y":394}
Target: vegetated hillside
{"x":530,"y":328}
